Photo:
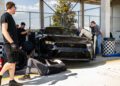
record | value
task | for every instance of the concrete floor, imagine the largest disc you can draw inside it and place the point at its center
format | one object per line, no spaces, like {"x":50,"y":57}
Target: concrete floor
{"x":101,"y":72}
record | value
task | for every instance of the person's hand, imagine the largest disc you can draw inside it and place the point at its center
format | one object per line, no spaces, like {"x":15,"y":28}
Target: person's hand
{"x":14,"y":47}
{"x":28,"y":32}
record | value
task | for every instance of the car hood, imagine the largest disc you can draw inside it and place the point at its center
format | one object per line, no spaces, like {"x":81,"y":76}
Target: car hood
{"x":66,"y":39}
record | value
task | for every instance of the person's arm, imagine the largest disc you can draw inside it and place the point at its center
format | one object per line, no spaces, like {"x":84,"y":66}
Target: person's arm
{"x":5,"y":33}
{"x":25,"y":32}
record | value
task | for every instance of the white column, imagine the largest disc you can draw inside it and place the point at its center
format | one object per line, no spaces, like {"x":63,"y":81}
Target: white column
{"x":1,"y":12}
{"x":105,"y":17}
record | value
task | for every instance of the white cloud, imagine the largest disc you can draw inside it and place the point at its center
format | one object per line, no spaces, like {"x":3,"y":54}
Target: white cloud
{"x":52,"y":2}
{"x":34,"y":7}
{"x":23,"y":16}
{"x":37,"y":4}
{"x":28,"y":8}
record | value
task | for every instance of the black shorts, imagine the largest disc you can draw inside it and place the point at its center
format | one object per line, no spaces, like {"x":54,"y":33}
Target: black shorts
{"x":9,"y":54}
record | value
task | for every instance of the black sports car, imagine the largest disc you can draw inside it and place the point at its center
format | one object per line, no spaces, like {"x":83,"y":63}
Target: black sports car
{"x":64,"y":44}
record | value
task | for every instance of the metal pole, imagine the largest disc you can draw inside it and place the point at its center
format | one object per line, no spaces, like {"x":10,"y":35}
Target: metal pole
{"x":89,"y":19}
{"x":61,"y":20}
{"x":29,"y":20}
{"x":100,"y":17}
{"x":50,"y":20}
{"x":82,"y":13}
{"x":78,"y":19}
{"x":49,"y":6}
{"x":41,"y":8}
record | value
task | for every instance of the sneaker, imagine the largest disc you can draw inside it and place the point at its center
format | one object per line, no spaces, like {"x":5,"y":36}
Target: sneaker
{"x":14,"y":83}
{"x":0,"y":80}
{"x":25,"y":77}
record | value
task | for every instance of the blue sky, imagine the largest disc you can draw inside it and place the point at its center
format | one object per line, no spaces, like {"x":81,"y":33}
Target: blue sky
{"x":33,"y":5}
{"x":24,"y":2}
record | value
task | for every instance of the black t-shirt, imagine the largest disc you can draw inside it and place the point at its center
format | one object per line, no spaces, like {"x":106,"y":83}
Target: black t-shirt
{"x":7,"y":18}
{"x":21,"y":38}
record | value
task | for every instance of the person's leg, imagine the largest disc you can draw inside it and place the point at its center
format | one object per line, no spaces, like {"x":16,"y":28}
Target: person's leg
{"x":12,"y":71}
{"x":11,"y":68}
{"x":47,"y":70}
{"x":28,"y":69}
{"x":6,"y":65}
{"x":29,"y":65}
{"x":57,"y":68}
{"x":10,"y":65}
{"x":42,"y":68}
{"x":12,"y":82}
{"x":99,"y":42}
{"x":33,"y":62}
{"x":5,"y":68}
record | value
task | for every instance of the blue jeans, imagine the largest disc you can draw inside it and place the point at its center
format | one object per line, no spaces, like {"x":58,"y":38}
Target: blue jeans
{"x":99,"y":42}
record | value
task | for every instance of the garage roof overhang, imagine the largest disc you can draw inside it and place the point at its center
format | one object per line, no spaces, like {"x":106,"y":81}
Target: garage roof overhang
{"x":88,"y":1}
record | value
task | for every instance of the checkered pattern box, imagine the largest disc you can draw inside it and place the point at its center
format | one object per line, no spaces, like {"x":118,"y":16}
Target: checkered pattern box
{"x":108,"y":46}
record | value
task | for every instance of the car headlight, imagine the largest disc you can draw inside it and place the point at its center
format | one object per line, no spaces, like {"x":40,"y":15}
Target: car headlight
{"x":50,"y":42}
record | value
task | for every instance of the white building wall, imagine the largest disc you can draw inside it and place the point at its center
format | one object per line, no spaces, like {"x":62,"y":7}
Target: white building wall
{"x":115,"y":19}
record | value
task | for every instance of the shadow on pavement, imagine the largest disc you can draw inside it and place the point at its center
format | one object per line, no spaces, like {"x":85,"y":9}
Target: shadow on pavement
{"x":95,"y":63}
{"x":53,"y":79}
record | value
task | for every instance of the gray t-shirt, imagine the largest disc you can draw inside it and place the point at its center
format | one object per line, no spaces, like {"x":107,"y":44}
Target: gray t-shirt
{"x":96,"y":30}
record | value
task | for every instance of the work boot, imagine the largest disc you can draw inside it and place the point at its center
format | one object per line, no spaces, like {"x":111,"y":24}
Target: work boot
{"x":14,"y":83}
{"x":0,"y":80}
{"x":25,"y":77}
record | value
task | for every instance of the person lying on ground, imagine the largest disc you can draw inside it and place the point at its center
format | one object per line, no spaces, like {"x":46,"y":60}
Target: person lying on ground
{"x":44,"y":69}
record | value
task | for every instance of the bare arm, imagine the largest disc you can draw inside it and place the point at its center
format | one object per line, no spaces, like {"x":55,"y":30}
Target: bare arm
{"x":24,"y":33}
{"x":5,"y":33}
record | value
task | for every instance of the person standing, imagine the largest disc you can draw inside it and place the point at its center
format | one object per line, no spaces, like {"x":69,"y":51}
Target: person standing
{"x":95,"y":29}
{"x":10,"y":42}
{"x":22,"y":33}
